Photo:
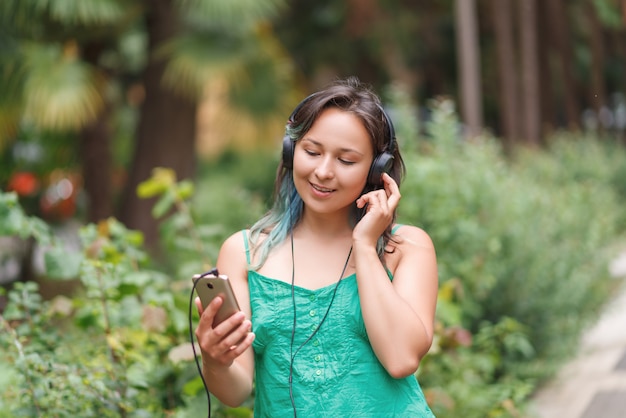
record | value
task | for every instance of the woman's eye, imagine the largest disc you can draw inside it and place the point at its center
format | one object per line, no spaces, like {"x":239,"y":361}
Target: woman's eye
{"x":309,"y":152}
{"x":346,"y":162}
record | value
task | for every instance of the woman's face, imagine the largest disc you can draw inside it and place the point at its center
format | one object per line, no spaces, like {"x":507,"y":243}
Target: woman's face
{"x":332,"y":161}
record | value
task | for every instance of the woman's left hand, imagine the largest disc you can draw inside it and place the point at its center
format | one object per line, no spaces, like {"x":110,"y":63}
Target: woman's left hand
{"x":380,"y":206}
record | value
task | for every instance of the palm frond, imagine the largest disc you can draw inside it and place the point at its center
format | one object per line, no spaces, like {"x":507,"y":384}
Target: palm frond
{"x":53,"y":20}
{"x":232,"y":14}
{"x":195,"y":58}
{"x":269,"y":83}
{"x":255,"y":66}
{"x":60,"y":92}
{"x":17,"y":12}
{"x":83,"y":11}
{"x":86,"y":11}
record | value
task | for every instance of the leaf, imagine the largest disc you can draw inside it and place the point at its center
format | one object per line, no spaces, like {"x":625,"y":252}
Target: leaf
{"x":64,"y":12}
{"x":114,"y":342}
{"x":185,"y":189}
{"x":137,"y":278}
{"x":193,"y":386}
{"x":97,"y":12}
{"x":609,"y":13}
{"x":198,"y":57}
{"x":62,"y":264}
{"x":164,"y":204}
{"x":239,"y":412}
{"x":11,"y":221}
{"x":138,"y":375}
{"x":60,"y":92}
{"x":231,"y":14}
{"x":161,"y":180}
{"x":448,"y":312}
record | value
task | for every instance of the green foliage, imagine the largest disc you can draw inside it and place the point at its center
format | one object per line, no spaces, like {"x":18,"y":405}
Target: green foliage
{"x":194,"y":225}
{"x":62,"y":92}
{"x":67,"y":12}
{"x":14,"y":222}
{"x":85,"y":12}
{"x":108,"y":348}
{"x":237,"y":14}
{"x":523,"y":265}
{"x":67,"y":63}
{"x":609,"y":13}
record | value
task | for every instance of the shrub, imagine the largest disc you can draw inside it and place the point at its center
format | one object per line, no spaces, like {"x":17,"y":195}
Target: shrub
{"x":522,"y":249}
{"x":109,"y":349}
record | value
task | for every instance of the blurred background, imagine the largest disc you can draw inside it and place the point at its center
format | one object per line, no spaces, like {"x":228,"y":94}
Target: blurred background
{"x":136,"y":135}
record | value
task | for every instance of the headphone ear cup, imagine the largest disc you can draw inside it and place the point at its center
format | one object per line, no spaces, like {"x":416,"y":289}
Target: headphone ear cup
{"x":381,"y":164}
{"x":288,"y":150}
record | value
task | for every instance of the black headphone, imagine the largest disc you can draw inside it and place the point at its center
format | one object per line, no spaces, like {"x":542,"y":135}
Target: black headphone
{"x":382,"y":162}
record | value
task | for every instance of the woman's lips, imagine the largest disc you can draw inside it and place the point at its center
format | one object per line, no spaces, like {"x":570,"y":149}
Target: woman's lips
{"x":321,"y":190}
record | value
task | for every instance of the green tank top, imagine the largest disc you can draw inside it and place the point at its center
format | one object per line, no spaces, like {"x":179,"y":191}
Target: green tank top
{"x":335,"y":373}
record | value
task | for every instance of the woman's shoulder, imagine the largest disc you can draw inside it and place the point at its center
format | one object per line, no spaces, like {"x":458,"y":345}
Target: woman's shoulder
{"x":241,"y":244}
{"x":236,"y":245}
{"x":411,"y":236}
{"x":233,"y":256}
{"x":411,"y":246}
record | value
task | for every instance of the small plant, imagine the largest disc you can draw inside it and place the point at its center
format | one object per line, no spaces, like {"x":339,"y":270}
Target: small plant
{"x":120,"y":346}
{"x":104,"y":352}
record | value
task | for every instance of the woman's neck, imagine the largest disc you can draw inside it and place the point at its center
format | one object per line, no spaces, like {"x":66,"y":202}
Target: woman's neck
{"x":330,"y":226}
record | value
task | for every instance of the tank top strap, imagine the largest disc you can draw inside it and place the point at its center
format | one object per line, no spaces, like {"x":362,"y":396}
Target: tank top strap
{"x":395,"y":228}
{"x":245,"y":243}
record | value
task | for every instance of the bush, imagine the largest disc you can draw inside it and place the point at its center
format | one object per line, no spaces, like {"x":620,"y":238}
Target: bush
{"x":118,"y":347}
{"x":523,"y":256}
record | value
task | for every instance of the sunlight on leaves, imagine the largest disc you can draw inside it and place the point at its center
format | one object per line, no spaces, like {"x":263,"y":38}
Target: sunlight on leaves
{"x":83,"y":11}
{"x":231,"y":13}
{"x":60,"y":92}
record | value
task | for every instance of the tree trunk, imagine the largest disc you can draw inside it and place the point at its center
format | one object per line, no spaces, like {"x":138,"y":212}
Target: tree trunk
{"x":531,"y":120}
{"x":507,"y":71}
{"x":166,"y":131}
{"x":468,"y":53}
{"x":563,"y":44}
{"x":97,"y":162}
{"x":597,"y":93}
{"x":95,"y":147}
{"x":549,"y":86}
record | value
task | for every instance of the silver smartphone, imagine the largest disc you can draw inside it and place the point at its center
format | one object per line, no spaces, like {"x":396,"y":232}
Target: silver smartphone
{"x":208,"y":286}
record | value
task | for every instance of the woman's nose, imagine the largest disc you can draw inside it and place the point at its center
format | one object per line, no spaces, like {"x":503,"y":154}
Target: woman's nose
{"x":325,"y":168}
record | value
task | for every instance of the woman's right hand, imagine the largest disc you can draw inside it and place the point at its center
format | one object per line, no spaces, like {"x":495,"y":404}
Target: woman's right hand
{"x":222,"y":343}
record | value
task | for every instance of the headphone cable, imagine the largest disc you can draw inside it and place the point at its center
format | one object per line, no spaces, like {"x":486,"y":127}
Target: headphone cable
{"x":293,"y":329}
{"x":193,"y":341}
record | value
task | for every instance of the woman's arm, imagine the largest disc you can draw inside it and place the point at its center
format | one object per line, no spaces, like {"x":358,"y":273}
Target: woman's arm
{"x":399,"y":314}
{"x":227,"y":356}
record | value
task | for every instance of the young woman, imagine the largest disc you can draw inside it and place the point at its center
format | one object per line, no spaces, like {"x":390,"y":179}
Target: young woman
{"x":337,"y":300}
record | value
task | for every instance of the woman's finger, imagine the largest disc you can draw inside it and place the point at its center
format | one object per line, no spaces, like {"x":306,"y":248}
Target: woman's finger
{"x":198,"y":305}
{"x":236,"y":350}
{"x":392,"y":190}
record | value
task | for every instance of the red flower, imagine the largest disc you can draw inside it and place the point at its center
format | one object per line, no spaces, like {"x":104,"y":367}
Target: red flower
{"x":23,"y":183}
